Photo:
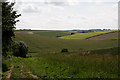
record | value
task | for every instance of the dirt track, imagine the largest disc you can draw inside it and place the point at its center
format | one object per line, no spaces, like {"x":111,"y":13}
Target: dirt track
{"x":105,"y":36}
{"x":9,"y":73}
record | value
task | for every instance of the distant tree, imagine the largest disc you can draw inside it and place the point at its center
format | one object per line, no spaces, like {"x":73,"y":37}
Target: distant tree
{"x":64,"y":50}
{"x":9,"y":16}
{"x":72,"y":33}
{"x":58,"y":36}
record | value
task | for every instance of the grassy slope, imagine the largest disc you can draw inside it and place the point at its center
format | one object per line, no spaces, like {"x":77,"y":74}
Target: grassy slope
{"x":51,"y":33}
{"x":66,"y":66}
{"x":44,"y":44}
{"x":69,"y":65}
{"x":114,"y":51}
{"x":84,"y":35}
{"x":118,"y":38}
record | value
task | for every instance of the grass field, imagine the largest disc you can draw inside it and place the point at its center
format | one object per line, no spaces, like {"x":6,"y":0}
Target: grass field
{"x":85,"y":59}
{"x":116,"y":38}
{"x":84,"y":35}
{"x":44,"y":44}
{"x":52,"y":33}
{"x":75,"y":65}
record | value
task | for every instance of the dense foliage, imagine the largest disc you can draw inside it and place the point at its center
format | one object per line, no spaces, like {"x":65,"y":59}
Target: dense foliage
{"x":20,"y":49}
{"x":9,"y":16}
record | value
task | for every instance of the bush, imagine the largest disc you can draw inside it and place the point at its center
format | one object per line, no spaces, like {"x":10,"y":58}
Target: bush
{"x":20,"y":49}
{"x":72,"y":33}
{"x":64,"y":50}
{"x":58,"y":36}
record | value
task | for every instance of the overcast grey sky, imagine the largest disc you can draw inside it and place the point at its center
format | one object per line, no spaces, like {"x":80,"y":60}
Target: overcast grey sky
{"x":67,"y":14}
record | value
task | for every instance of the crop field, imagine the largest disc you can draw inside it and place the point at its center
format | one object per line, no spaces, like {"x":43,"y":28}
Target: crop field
{"x":84,"y":59}
{"x":85,"y":35}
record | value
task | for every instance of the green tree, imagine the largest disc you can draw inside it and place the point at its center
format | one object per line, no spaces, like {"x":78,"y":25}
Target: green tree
{"x":9,"y":21}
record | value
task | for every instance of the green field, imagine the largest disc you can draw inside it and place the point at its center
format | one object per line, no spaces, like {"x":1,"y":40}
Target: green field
{"x":116,"y":38}
{"x":85,"y":59}
{"x":44,"y":44}
{"x":75,"y":65}
{"x":51,"y":33}
{"x":84,"y":35}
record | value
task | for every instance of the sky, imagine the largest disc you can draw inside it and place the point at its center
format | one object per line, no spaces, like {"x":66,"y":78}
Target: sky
{"x":67,"y":14}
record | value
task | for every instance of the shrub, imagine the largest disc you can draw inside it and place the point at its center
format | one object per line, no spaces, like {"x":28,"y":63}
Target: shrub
{"x":64,"y":50}
{"x":20,"y":49}
{"x":58,"y":36}
{"x":72,"y":33}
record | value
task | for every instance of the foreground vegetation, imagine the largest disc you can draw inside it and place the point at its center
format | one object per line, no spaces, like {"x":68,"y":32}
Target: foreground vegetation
{"x":65,"y":65}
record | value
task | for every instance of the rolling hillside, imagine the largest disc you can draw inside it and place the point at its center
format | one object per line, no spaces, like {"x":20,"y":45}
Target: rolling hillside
{"x":45,"y":61}
{"x":44,"y":44}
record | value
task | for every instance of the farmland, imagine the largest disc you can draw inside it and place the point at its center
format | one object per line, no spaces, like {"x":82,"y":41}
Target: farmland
{"x":85,"y":35}
{"x":84,"y":59}
{"x":40,"y":43}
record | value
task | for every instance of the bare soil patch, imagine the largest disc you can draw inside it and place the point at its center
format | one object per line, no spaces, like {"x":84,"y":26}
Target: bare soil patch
{"x":105,"y":36}
{"x":23,"y":32}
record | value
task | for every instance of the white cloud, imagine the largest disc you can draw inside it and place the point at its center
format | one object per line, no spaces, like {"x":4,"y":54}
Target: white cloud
{"x":72,"y":15}
{"x":62,"y":2}
{"x":68,"y":0}
{"x":30,"y":8}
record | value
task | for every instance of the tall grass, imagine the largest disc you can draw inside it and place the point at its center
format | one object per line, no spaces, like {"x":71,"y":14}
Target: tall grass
{"x":69,"y":65}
